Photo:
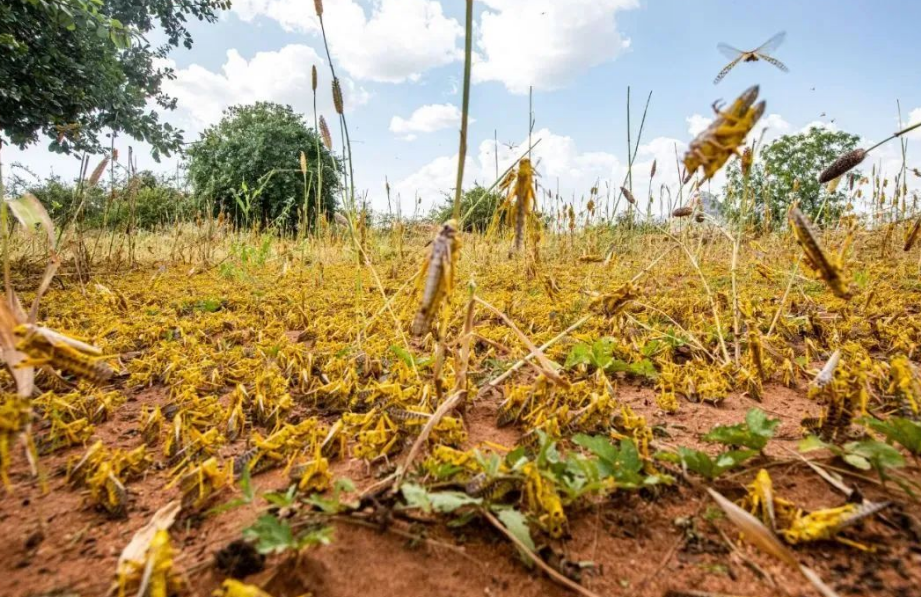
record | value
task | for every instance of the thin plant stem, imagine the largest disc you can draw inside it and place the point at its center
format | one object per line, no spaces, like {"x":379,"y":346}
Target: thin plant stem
{"x":465,"y":110}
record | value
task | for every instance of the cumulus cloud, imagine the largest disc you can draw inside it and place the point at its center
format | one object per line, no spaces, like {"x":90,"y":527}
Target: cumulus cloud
{"x":283,"y":77}
{"x":914,"y":117}
{"x":546,"y":43}
{"x":697,"y":124}
{"x":426,"y":119}
{"x":399,"y":40}
{"x":820,"y":124}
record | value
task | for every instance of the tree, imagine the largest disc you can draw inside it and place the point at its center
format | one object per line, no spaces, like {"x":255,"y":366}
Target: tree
{"x":70,"y":69}
{"x":788,"y":169}
{"x":249,"y":163}
{"x":483,"y":207}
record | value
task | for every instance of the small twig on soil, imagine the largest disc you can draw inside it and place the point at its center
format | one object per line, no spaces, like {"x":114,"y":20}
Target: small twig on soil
{"x":412,"y":537}
{"x":668,"y":557}
{"x":553,"y":574}
{"x":820,"y":471}
{"x":748,"y":561}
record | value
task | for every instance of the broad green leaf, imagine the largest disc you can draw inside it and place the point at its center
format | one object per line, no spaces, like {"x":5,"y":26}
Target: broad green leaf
{"x":651,"y":348}
{"x":517,"y":525}
{"x":321,"y":536}
{"x":449,"y":501}
{"x":281,"y":500}
{"x":408,"y":358}
{"x":904,"y":432}
{"x":580,"y":354}
{"x":416,"y":496}
{"x":31,"y":214}
{"x":812,"y":443}
{"x":754,"y":433}
{"x":643,"y":368}
{"x":759,"y":423}
{"x":879,"y":454}
{"x":598,"y":445}
{"x":857,"y":461}
{"x":602,"y":353}
{"x":246,"y":485}
{"x":271,"y":535}
{"x":701,"y":463}
{"x":344,"y":484}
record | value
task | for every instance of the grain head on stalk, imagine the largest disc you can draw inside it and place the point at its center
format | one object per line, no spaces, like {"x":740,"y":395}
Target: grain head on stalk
{"x":842,"y":165}
{"x":337,"y":97}
{"x":324,"y":133}
{"x":98,"y":172}
{"x":436,"y":278}
{"x":628,"y":195}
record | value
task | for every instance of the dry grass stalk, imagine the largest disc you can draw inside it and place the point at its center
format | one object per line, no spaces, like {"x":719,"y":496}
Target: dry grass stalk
{"x":547,"y":367}
{"x":447,"y":406}
{"x":553,"y":574}
{"x":765,"y":540}
{"x":522,"y":362}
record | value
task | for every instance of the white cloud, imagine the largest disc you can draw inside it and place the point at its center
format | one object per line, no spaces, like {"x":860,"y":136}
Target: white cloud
{"x":546,"y":43}
{"x":427,"y":119}
{"x":283,"y":76}
{"x":914,"y":117}
{"x":697,"y":124}
{"x":820,"y":124}
{"x":400,"y":40}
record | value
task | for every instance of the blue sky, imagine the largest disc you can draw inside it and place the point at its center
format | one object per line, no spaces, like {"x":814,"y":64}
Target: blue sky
{"x":849,"y":60}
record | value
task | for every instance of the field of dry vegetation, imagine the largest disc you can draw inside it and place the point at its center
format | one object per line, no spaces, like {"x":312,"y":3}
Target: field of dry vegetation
{"x":680,"y":405}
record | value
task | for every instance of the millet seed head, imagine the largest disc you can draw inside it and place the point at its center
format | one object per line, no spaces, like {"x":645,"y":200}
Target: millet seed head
{"x":842,"y":165}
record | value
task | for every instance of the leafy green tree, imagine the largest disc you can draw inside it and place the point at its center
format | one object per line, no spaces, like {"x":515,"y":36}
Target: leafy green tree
{"x":249,"y":163}
{"x":791,"y":162}
{"x":483,"y":204}
{"x":70,"y":69}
